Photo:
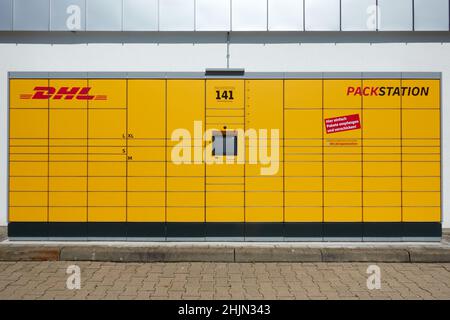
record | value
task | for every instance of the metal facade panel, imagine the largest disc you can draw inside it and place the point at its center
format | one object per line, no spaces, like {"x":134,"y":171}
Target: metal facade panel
{"x":176,"y":15}
{"x":213,"y":15}
{"x":140,"y":15}
{"x":104,"y":15}
{"x":395,"y":15}
{"x":67,"y":15}
{"x":6,"y":20}
{"x":358,"y":15}
{"x":31,"y":15}
{"x":431,"y":15}
{"x":322,"y":15}
{"x":285,"y":15}
{"x":249,"y":15}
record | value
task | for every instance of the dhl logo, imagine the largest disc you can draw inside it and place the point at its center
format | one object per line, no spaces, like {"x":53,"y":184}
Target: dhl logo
{"x":66,"y":93}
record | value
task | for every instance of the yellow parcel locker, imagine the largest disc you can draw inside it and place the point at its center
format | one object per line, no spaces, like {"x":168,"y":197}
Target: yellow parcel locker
{"x":29,"y":93}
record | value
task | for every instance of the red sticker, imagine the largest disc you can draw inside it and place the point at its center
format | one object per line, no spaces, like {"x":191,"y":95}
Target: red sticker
{"x":344,"y":123}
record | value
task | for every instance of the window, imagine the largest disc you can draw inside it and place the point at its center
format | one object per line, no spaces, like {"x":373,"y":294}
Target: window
{"x":224,"y":143}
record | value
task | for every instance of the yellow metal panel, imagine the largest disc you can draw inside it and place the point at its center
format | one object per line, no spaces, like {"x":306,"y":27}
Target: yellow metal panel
{"x":303,"y":169}
{"x":382,"y":184}
{"x":67,"y":214}
{"x":263,"y":184}
{"x":28,"y":157}
{"x":73,"y":87}
{"x":335,"y":94}
{"x":225,"y":187}
{"x":114,"y":90}
{"x":107,"y":123}
{"x":303,"y":199}
{"x":430,"y":97}
{"x":28,"y":199}
{"x":422,"y":214}
{"x":342,"y":184}
{"x":28,"y":183}
{"x":185,"y":183}
{"x":421,"y":124}
{"x":146,"y":169}
{"x":185,"y":214}
{"x":185,"y":104}
{"x":67,"y":199}
{"x":264,"y":198}
{"x":146,"y":184}
{"x":107,"y":169}
{"x":376,"y":99}
{"x":382,"y":214}
{"x":382,"y":157}
{"x":105,"y":199}
{"x":264,"y":104}
{"x":147,"y":117}
{"x":303,"y":123}
{"x":67,"y":183}
{"x":421,"y":199}
{"x":230,"y":214}
{"x":153,"y":199}
{"x":28,"y":214}
{"x":381,"y":124}
{"x":146,"y":154}
{"x":180,"y":170}
{"x":106,"y":184}
{"x":421,"y":184}
{"x":421,"y":169}
{"x":194,"y":199}
{"x":303,"y":184}
{"x":382,"y":199}
{"x":146,"y":214}
{"x":36,"y":169}
{"x":380,"y":169}
{"x":303,"y":94}
{"x":343,"y":214}
{"x":67,"y":168}
{"x":107,"y":214}
{"x":293,"y":214}
{"x":220,"y":170}
{"x":28,"y":123}
{"x":68,"y":123}
{"x":224,"y":199}
{"x":342,"y":199}
{"x":264,"y":214}
{"x":28,"y":150}
{"x":20,"y":87}
{"x":225,"y":93}
{"x":342,"y":169}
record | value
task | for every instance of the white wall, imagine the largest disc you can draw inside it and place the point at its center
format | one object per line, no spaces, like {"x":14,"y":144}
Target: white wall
{"x":251,"y":56}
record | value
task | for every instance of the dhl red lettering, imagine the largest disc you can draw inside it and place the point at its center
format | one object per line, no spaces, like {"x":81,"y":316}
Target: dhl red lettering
{"x":84,"y":94}
{"x":43,"y":93}
{"x":66,"y":93}
{"x":358,"y":91}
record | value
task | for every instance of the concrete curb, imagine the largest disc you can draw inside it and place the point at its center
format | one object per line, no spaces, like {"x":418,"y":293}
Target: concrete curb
{"x":117,"y":253}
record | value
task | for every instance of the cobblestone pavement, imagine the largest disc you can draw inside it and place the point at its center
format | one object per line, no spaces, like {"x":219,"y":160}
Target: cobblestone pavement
{"x":47,"y":280}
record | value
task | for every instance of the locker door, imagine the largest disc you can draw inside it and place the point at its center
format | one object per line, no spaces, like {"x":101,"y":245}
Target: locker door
{"x":342,"y":155}
{"x":185,"y":166}
{"x":146,"y":193}
{"x":382,"y":155}
{"x":224,"y":157}
{"x":264,"y":158}
{"x":107,"y":154}
{"x":68,"y":154}
{"x":421,"y":190}
{"x":28,"y":153}
{"x":303,"y":153}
